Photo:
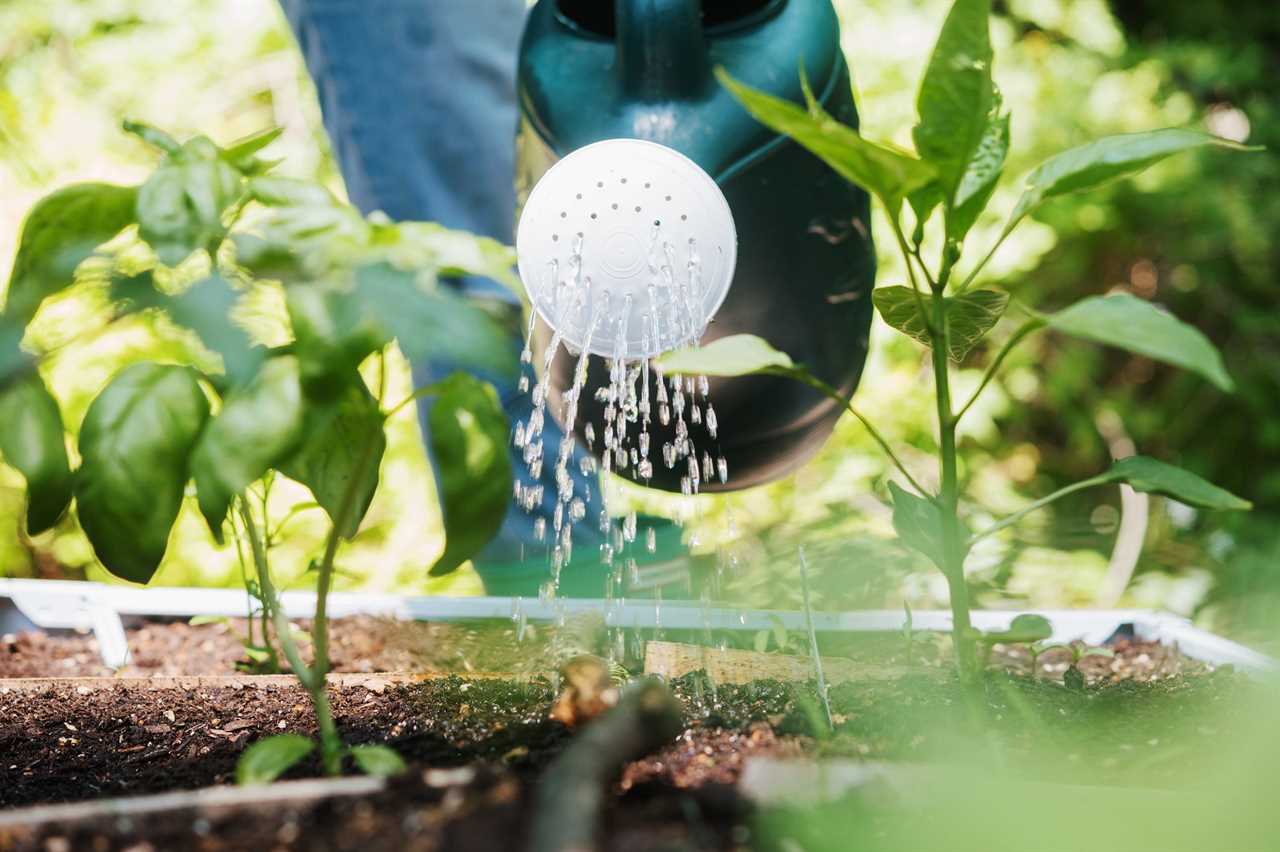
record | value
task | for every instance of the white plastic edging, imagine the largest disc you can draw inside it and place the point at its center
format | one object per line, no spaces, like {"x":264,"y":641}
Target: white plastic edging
{"x":98,"y":607}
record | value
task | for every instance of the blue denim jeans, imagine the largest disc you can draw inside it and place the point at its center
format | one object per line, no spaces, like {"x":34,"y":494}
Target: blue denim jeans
{"x":419,"y":101}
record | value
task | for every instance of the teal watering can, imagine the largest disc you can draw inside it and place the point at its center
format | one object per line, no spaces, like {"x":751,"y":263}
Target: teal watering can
{"x":591,"y":70}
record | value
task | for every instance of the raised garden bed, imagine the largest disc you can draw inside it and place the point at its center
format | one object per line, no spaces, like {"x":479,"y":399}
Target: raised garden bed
{"x":478,"y":746}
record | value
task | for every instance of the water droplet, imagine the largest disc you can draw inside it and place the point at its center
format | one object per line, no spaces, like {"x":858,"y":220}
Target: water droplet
{"x":651,"y":540}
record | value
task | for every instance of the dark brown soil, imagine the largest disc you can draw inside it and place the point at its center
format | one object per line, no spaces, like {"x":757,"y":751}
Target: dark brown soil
{"x":356,"y":644}
{"x":1149,"y":711}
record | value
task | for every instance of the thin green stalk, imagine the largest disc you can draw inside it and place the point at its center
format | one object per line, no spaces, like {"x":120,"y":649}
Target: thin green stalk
{"x":273,"y":659}
{"x":1014,"y":339}
{"x":1008,"y":229}
{"x":911,"y":275}
{"x":418,"y":393}
{"x":1009,"y":521}
{"x":953,"y":548}
{"x":320,"y":627}
{"x":824,"y":388}
{"x":330,"y":743}
{"x":813,"y":642}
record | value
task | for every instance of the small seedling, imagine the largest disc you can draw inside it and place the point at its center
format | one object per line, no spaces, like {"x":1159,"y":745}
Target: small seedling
{"x":1073,"y":678}
{"x":1025,"y":629}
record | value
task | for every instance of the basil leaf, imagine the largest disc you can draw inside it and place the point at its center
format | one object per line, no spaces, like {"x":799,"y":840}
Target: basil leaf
{"x":259,"y":425}
{"x":33,"y":441}
{"x":134,"y":445}
{"x":63,"y":229}
{"x":344,"y":439}
{"x":469,"y":434}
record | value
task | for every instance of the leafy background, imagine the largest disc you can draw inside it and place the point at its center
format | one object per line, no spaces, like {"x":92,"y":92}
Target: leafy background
{"x":1197,"y":234}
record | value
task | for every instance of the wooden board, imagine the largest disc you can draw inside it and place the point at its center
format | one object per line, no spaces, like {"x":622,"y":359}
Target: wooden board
{"x":729,"y":665}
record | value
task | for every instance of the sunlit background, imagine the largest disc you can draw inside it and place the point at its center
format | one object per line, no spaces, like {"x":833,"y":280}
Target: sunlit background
{"x":1197,"y":234}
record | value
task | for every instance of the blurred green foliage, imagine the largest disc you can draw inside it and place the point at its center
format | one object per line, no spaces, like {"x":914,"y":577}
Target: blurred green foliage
{"x":1197,"y":235}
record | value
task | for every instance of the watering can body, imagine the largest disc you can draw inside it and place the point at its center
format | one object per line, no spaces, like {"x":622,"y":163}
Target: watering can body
{"x":591,"y":70}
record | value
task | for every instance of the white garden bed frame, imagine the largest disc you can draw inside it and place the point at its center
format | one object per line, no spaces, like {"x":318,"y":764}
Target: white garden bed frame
{"x":65,"y":604}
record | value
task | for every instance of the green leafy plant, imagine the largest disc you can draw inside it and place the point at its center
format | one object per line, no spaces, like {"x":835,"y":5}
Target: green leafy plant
{"x":210,"y":229}
{"x":961,"y":141}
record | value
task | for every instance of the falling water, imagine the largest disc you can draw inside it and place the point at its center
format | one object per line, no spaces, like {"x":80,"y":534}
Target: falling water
{"x":634,"y":391}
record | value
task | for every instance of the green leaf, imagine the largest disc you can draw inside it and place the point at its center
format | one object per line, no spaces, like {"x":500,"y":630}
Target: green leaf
{"x":60,"y":231}
{"x":969,"y":316}
{"x":268,"y":759}
{"x":206,"y":308}
{"x":1108,"y":159}
{"x":134,"y":444}
{"x":469,"y":435}
{"x":918,"y":523}
{"x":153,"y":136}
{"x":13,"y":361}
{"x":956,"y":95}
{"x":242,"y":153}
{"x":259,"y":425}
{"x":344,"y":437}
{"x":200,"y":620}
{"x":735,"y":355}
{"x":379,"y":760}
{"x":181,"y":206}
{"x":32,"y":440}
{"x":1130,"y":323}
{"x":1149,"y":475}
{"x":289,"y":192}
{"x":333,"y":333}
{"x":923,"y":202}
{"x":456,"y":253}
{"x":1027,"y":628}
{"x":886,"y":172}
{"x":435,"y":323}
{"x":979,"y":179}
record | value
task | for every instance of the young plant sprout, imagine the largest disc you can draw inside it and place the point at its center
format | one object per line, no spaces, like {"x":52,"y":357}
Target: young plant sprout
{"x":931,"y":198}
{"x":1026,"y":629}
{"x":1073,"y":678}
{"x":207,"y":229}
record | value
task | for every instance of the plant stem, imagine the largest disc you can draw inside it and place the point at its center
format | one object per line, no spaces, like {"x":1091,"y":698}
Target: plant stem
{"x":1008,"y":229}
{"x":1101,"y":479}
{"x":953,"y":548}
{"x":813,"y":642}
{"x":418,"y":393}
{"x":314,"y":683}
{"x":911,"y":275}
{"x":819,"y":385}
{"x":1017,"y":337}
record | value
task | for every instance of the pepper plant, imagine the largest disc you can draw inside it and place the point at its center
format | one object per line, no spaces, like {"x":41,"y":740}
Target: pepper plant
{"x":207,"y":231}
{"x":961,"y":140}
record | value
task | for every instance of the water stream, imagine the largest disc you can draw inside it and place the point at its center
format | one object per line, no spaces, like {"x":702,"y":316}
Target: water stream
{"x":667,"y":314}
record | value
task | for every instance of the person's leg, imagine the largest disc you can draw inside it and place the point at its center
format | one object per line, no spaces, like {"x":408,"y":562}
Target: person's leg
{"x":419,"y":101}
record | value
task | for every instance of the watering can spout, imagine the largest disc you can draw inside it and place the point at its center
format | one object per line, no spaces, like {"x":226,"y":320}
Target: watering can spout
{"x":662,"y":54}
